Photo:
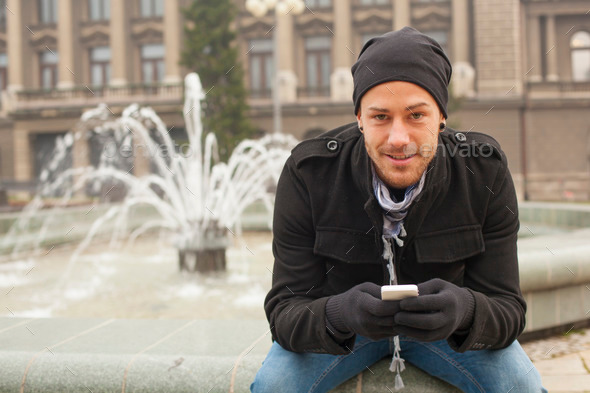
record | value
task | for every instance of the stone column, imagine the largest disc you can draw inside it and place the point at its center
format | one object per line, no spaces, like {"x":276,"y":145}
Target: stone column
{"x":172,"y":41}
{"x":65,"y":44}
{"x":286,"y":59}
{"x":551,"y":48}
{"x":19,"y":53}
{"x":460,"y":31}
{"x":401,"y":14}
{"x":342,"y":34}
{"x":121,"y":51}
{"x":341,"y":79}
{"x":498,"y":54}
{"x":463,"y":80}
{"x":534,"y":44}
{"x":23,"y":154}
{"x":141,"y":157}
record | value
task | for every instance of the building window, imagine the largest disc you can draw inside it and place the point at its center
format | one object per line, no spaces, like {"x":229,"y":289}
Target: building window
{"x":151,"y":8}
{"x":2,"y":14}
{"x":580,"y":47}
{"x":374,"y":2}
{"x":318,"y":64}
{"x":318,"y":3}
{"x":3,"y":71}
{"x":152,"y":63}
{"x":47,"y":11}
{"x":440,"y":36}
{"x":100,"y":65}
{"x":261,"y":67}
{"x":48,"y":66}
{"x":99,"y":10}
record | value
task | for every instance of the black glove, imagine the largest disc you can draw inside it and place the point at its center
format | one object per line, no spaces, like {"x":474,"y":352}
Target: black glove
{"x":440,"y":310}
{"x":360,"y":310}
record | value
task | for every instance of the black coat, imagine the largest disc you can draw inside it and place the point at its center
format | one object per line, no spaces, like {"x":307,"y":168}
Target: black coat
{"x":328,"y":225}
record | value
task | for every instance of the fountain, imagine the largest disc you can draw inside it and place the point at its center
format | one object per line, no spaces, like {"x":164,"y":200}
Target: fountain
{"x":189,"y":193}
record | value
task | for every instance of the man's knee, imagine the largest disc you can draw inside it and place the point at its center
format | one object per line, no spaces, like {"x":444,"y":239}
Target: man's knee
{"x":269,"y":380}
{"x":523,"y":376}
{"x":527,"y":381}
{"x":277,"y":373}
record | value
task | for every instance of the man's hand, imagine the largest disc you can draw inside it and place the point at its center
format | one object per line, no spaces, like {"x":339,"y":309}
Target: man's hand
{"x":360,"y":310}
{"x":439,"y":311}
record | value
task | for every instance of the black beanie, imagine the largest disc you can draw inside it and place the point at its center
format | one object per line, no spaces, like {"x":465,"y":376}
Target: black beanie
{"x":403,"y":55}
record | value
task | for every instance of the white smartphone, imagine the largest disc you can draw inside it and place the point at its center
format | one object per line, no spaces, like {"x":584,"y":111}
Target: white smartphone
{"x":398,"y":292}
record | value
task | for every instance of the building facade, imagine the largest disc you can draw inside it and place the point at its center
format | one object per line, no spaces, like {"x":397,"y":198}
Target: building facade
{"x":521,"y":73}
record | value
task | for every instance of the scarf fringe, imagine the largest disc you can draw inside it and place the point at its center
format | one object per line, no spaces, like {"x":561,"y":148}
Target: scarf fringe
{"x":393,"y":228}
{"x":397,"y":363}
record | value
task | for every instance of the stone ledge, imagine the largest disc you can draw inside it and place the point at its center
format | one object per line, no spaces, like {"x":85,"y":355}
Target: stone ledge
{"x":75,"y":355}
{"x":555,"y":280}
{"x":566,"y":215}
{"x":554,"y":261}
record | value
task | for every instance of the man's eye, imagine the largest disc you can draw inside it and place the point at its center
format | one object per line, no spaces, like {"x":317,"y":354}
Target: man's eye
{"x":380,"y":117}
{"x":417,"y":116}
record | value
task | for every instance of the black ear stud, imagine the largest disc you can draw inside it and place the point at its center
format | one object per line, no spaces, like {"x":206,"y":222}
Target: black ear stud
{"x":442,"y":126}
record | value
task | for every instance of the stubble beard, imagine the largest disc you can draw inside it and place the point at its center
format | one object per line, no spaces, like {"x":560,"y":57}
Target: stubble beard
{"x":400,"y":177}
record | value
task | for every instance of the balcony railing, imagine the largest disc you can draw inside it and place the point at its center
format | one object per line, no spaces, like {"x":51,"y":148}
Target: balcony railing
{"x":92,"y":95}
{"x":260,"y":94}
{"x":563,"y":88}
{"x":315,"y":91}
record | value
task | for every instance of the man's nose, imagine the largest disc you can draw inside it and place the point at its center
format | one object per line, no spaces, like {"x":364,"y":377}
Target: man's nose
{"x":399,"y":134}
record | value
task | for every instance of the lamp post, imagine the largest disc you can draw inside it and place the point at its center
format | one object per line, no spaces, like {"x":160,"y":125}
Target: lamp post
{"x":259,"y":8}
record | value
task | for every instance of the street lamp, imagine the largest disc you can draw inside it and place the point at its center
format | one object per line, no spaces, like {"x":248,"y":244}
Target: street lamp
{"x":259,"y":8}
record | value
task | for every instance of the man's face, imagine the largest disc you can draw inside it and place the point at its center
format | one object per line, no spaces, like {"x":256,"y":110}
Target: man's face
{"x":401,"y":125}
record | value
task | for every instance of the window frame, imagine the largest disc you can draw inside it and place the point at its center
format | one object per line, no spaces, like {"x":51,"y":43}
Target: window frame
{"x":318,"y":55}
{"x":52,"y":15}
{"x":318,"y":4}
{"x":577,"y":50}
{"x":104,"y":10}
{"x":105,"y":66}
{"x":266,"y":58}
{"x":154,"y":63}
{"x":3,"y":14}
{"x":51,"y":67}
{"x":373,"y":3}
{"x":154,"y":11}
{"x":4,"y":73}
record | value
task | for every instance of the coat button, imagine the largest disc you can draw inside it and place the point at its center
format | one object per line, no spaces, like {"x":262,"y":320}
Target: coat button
{"x":332,"y":145}
{"x":460,"y":137}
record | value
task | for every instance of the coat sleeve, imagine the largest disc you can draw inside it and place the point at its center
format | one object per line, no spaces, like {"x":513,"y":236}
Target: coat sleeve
{"x":295,"y":305}
{"x":493,"y":276}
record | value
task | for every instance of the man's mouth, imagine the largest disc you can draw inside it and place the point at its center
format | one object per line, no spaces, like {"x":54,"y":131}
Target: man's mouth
{"x":400,"y":157}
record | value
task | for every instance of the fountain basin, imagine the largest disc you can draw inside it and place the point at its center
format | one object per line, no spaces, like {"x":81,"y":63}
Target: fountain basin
{"x":555,"y":267}
{"x":110,"y":355}
{"x":200,"y":326}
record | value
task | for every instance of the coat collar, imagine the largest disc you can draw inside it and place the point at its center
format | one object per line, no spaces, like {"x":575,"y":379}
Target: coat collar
{"x":435,"y":187}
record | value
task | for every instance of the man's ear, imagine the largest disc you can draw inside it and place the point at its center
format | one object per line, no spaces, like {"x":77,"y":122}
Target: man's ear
{"x":358,"y":120}
{"x":442,"y":123}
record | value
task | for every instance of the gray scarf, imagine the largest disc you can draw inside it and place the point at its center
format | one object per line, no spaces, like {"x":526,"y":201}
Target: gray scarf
{"x":394,"y":213}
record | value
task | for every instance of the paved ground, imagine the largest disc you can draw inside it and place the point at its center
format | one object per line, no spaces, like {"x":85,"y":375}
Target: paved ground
{"x":563,"y":361}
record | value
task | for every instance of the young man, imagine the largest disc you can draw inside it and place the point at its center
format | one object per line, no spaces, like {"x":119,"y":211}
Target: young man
{"x":396,"y":198}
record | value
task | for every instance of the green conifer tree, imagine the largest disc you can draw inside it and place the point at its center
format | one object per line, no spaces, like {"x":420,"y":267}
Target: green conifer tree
{"x":210,"y":50}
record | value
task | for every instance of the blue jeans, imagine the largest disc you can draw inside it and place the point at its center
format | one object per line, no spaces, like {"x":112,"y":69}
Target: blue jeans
{"x":504,"y":370}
